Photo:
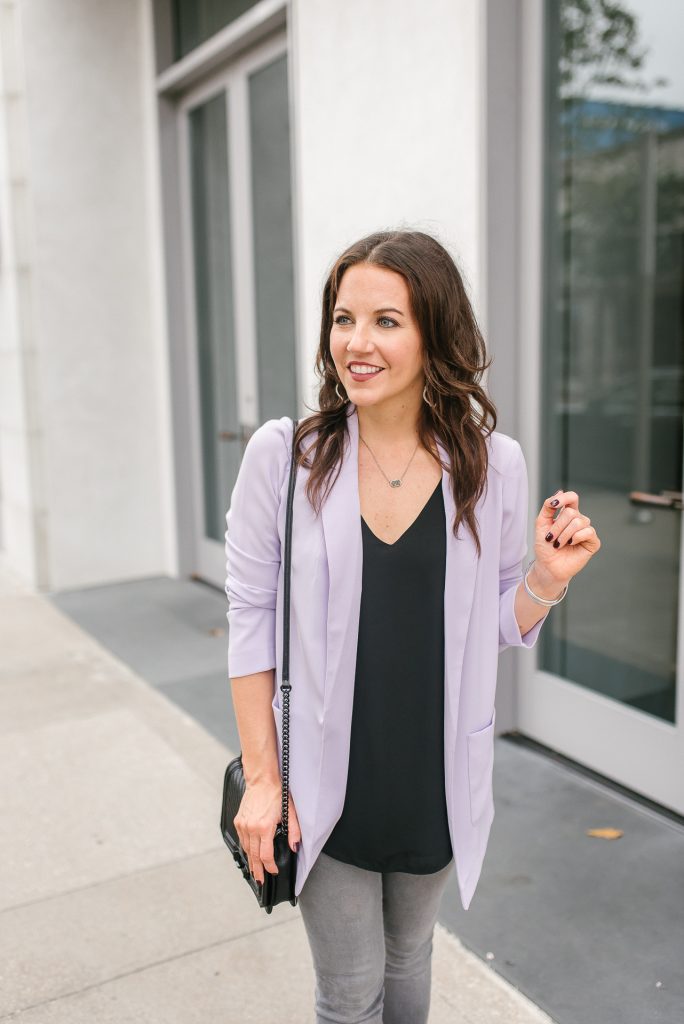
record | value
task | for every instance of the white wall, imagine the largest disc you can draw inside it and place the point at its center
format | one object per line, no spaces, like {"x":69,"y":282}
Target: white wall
{"x":21,"y":500}
{"x":388,"y":123}
{"x":97,"y":496}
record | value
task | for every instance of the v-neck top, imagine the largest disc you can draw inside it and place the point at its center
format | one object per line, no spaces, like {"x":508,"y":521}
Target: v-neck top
{"x":395,"y":815}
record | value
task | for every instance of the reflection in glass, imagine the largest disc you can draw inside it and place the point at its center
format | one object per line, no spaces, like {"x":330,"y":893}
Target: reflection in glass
{"x":194,"y":21}
{"x":613,"y":361}
{"x":272,"y":226}
{"x":214,"y":323}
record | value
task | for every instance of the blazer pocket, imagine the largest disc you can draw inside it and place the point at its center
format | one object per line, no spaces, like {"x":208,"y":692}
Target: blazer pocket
{"x":480,"y":770}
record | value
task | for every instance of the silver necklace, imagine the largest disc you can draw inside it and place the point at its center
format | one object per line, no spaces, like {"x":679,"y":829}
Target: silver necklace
{"x":392,"y":483}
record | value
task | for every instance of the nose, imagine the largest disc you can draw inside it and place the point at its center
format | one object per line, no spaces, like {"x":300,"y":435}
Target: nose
{"x":360,"y":340}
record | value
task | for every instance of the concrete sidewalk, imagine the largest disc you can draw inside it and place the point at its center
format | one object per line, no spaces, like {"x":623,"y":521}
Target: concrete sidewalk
{"x":119,"y":901}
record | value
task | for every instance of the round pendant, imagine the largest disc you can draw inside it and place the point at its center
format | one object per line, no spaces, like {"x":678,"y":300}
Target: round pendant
{"x":395,"y":483}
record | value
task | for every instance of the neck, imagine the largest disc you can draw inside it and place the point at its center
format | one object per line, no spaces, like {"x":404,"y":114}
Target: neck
{"x":389,"y":425}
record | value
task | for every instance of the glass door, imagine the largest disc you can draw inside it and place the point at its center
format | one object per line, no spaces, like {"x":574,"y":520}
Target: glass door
{"x":609,"y":689}
{"x":238,"y":257}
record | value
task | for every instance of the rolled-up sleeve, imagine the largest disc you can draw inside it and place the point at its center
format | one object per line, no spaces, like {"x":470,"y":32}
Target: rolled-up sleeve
{"x":253,"y":552}
{"x":513,"y":550}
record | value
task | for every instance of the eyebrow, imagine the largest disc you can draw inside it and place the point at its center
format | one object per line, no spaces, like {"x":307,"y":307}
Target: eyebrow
{"x":385,"y":309}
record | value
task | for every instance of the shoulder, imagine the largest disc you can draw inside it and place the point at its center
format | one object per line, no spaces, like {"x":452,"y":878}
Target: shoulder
{"x":267,"y":453}
{"x":271,"y":438}
{"x":504,"y":453}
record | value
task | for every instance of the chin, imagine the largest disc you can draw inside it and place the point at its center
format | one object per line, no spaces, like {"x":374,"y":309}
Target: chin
{"x":360,"y":399}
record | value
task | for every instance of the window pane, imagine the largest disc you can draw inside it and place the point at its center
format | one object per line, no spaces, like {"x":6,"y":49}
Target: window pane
{"x":613,"y":337}
{"x":272,"y":225}
{"x":194,"y":21}
{"x":214,"y":322}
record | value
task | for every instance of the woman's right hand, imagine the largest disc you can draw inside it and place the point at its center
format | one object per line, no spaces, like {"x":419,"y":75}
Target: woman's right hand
{"x":259,"y":813}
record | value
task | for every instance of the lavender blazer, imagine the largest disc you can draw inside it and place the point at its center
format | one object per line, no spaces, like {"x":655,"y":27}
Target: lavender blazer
{"x":325,"y":598}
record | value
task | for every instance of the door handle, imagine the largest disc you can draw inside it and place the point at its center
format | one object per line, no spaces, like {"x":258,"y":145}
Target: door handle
{"x":666,"y":499}
{"x":243,"y":434}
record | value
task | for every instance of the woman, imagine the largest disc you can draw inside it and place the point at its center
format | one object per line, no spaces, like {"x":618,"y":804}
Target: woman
{"x":409,"y":529}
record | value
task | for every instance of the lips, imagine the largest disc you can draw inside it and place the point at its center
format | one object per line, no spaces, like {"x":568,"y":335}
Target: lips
{"x":366,"y":376}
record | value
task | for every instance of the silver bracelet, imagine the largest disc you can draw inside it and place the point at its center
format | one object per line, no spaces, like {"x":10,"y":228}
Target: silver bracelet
{"x":542,"y":600}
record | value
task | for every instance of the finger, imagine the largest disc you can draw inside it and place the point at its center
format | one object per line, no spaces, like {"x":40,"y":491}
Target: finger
{"x":258,"y":872}
{"x":569,"y":531}
{"x":561,"y":500}
{"x":257,"y":868}
{"x":568,"y":522}
{"x":565,"y":514}
{"x":245,"y":847}
{"x":266,"y":855}
{"x":587,"y":535}
{"x":240,"y":835}
{"x":556,"y":503}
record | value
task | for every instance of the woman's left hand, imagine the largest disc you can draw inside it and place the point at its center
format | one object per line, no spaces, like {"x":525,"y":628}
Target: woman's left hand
{"x":563,"y":546}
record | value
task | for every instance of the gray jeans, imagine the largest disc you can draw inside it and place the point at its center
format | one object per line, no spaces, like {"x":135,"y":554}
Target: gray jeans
{"x":370,"y":935}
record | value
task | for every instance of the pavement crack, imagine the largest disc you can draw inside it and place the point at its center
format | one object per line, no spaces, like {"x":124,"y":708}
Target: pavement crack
{"x":13,"y":1014}
{"x":108,"y":881}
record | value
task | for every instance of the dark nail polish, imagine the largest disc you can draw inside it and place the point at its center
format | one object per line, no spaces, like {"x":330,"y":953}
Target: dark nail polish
{"x":548,"y":536}
{"x":556,"y":543}
{"x":554,"y":502}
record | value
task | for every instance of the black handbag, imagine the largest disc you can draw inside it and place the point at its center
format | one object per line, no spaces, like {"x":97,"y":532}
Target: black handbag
{"x":276,"y":888}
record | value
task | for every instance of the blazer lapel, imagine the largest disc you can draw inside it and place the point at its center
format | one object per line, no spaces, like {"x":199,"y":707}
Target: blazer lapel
{"x":341,"y":518}
{"x":459,"y":593}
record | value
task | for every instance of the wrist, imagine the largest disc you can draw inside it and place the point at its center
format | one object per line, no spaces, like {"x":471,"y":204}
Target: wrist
{"x":544,"y":585}
{"x":259,"y":775}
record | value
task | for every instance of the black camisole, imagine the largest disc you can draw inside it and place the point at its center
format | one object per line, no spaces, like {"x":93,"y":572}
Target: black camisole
{"x":395,"y":816}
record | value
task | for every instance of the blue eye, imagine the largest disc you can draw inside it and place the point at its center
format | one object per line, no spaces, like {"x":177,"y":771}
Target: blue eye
{"x":343,"y":316}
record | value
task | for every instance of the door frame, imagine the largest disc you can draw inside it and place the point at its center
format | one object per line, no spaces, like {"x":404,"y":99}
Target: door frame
{"x":233,"y":80}
{"x":636,"y":749}
{"x":172,"y":78}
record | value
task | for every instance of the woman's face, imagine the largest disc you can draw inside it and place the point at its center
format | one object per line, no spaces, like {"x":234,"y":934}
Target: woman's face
{"x":373,"y":324}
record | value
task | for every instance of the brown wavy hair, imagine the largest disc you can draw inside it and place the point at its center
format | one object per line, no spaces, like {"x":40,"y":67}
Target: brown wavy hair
{"x":453,"y":359}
